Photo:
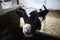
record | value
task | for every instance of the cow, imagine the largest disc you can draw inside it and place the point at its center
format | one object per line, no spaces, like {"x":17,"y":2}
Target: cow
{"x":33,"y":22}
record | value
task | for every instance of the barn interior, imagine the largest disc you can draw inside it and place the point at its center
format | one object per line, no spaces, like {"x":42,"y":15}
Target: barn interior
{"x":50,"y":26}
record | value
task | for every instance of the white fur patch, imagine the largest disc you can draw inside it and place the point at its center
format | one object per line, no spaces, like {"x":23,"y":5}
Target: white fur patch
{"x":40,"y":18}
{"x":22,"y":22}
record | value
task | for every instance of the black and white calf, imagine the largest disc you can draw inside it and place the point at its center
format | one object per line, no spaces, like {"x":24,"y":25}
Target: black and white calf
{"x":33,"y":22}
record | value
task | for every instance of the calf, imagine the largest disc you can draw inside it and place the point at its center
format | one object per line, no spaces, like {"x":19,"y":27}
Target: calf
{"x":33,"y":22}
{"x":35,"y":19}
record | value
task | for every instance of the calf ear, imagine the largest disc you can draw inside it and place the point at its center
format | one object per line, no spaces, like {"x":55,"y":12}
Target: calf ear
{"x":44,"y":7}
{"x":46,"y":10}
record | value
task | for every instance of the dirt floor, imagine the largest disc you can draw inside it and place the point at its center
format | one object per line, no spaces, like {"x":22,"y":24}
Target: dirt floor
{"x":52,"y":23}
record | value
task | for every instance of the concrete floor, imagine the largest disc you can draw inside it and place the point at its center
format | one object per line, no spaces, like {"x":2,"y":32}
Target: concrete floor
{"x":52,"y":23}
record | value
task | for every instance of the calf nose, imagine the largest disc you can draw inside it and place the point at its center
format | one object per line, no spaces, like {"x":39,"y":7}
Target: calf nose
{"x":26,"y":30}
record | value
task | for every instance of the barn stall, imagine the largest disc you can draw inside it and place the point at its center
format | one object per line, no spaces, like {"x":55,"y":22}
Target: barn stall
{"x":51,"y":25}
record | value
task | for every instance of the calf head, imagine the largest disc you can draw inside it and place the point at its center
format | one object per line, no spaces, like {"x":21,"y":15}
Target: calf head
{"x":33,"y":22}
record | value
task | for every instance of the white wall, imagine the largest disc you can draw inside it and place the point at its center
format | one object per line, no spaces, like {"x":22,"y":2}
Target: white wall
{"x":6,"y":5}
{"x":32,"y":3}
{"x":50,"y":4}
{"x":53,"y":4}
